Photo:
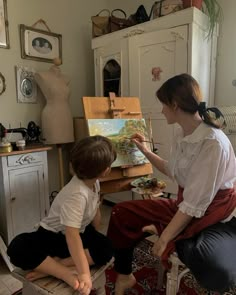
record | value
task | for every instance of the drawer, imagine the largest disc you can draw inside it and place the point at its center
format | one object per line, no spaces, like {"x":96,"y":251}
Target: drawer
{"x":24,"y":159}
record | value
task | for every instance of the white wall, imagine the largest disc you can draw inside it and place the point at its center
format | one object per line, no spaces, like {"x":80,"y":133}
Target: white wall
{"x":71,"y":18}
{"x":226,"y":59}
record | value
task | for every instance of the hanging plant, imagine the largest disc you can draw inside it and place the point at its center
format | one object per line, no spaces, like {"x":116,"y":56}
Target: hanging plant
{"x":214,"y":11}
{"x":210,"y":7}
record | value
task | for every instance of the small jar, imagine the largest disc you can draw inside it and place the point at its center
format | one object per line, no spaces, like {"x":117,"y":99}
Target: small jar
{"x":20,"y":144}
{"x":5,"y":147}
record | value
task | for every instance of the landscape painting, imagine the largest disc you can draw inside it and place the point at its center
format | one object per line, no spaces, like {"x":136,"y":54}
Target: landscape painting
{"x":119,"y":132}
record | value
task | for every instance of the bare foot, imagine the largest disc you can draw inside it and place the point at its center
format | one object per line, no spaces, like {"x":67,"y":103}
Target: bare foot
{"x":150,"y":229}
{"x":34,"y":275}
{"x":71,"y":279}
{"x":124,"y":282}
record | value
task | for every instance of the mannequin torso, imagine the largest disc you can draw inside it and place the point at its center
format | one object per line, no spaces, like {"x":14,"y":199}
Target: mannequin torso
{"x":57,"y":121}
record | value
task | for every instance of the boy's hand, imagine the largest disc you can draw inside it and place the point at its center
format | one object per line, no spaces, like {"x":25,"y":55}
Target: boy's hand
{"x":85,"y":284}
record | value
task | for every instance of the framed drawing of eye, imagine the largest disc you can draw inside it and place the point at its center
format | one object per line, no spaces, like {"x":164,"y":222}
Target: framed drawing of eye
{"x":26,"y":85}
{"x":2,"y":84}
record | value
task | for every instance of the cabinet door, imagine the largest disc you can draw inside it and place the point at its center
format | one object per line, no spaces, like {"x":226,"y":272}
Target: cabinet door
{"x":27,"y":201}
{"x":111,"y":69}
{"x":153,"y":58}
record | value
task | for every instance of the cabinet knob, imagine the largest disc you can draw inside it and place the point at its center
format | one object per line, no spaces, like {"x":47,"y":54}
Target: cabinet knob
{"x":13,"y":199}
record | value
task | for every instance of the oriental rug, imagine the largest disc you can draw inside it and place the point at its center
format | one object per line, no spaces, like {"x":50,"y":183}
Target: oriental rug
{"x":145,"y":268}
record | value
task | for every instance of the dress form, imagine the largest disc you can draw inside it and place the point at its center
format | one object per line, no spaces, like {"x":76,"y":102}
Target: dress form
{"x":56,"y":117}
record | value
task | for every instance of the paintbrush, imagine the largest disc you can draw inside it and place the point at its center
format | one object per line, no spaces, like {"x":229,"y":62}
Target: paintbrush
{"x":149,"y":141}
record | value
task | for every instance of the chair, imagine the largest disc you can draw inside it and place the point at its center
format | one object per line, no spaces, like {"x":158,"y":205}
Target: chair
{"x":175,"y":274}
{"x":53,"y":286}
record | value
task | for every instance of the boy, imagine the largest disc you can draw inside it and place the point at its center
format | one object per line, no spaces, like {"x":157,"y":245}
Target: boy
{"x":68,"y":236}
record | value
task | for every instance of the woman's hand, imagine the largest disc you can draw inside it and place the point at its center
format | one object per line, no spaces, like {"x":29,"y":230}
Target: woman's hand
{"x":85,"y":284}
{"x":159,"y":247}
{"x":139,"y":140}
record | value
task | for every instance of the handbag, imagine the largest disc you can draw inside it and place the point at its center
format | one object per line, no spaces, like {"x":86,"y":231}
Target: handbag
{"x":140,"y":16}
{"x":101,"y":24}
{"x":118,"y":23}
{"x":165,"y":7}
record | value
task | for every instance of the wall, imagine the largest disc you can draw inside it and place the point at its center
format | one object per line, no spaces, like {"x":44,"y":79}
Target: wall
{"x":72,"y":20}
{"x":226,"y":59}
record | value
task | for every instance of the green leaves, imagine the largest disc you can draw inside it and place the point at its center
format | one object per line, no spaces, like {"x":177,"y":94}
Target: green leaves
{"x":213,"y":9}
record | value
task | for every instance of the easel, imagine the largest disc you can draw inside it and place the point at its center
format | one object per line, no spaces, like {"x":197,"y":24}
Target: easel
{"x":114,"y":108}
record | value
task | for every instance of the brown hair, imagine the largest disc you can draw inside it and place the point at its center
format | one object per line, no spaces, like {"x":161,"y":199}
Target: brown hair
{"x":91,"y":156}
{"x":185,"y":91}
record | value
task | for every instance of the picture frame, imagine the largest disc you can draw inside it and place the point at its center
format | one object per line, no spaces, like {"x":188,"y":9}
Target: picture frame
{"x":26,"y":85}
{"x":40,"y":45}
{"x":4,"y":25}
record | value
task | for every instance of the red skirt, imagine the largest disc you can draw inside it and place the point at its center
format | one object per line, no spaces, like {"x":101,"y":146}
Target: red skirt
{"x":128,"y":219}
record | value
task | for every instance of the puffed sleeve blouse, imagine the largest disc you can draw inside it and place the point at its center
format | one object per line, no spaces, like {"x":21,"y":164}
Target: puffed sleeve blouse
{"x":202,"y":163}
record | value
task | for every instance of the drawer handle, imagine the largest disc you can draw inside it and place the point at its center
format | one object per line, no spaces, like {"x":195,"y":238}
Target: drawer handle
{"x":13,"y":199}
{"x":25,"y":159}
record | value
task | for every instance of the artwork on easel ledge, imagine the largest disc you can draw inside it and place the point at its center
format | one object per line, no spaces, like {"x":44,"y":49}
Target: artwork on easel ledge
{"x":119,"y":131}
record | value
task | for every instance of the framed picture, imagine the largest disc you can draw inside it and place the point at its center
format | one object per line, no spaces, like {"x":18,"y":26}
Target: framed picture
{"x":40,"y":45}
{"x":119,"y":132}
{"x":4,"y":31}
{"x":26,"y":85}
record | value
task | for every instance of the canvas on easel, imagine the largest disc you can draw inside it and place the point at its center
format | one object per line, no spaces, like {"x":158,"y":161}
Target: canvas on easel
{"x":116,"y":108}
{"x":119,"y":131}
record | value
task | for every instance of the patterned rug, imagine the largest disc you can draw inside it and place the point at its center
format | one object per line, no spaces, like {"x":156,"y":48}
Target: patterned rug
{"x":145,"y":268}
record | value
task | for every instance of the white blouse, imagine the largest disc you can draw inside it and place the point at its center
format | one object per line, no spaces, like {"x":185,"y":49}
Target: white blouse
{"x":202,"y":163}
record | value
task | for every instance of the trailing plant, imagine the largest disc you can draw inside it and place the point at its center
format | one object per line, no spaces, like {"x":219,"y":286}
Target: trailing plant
{"x":214,"y":11}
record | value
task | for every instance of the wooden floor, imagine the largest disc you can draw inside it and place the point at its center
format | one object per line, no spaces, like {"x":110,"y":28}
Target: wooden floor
{"x":9,"y":285}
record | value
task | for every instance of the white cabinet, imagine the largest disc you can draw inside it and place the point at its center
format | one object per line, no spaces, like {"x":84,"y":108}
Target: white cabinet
{"x":172,"y":44}
{"x":24,"y":198}
{"x":106,"y":58}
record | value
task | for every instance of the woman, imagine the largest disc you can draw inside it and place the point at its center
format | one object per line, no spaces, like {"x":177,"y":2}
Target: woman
{"x":201,"y":222}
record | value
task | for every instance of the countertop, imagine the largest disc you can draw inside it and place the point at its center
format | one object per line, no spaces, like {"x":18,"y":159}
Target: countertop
{"x":29,"y":149}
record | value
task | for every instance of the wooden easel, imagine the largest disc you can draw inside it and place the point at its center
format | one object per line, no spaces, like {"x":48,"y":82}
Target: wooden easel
{"x":113,"y":108}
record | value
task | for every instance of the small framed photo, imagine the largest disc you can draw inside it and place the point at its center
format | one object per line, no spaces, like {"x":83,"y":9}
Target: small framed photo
{"x":26,"y":85}
{"x":40,"y":45}
{"x":4,"y":31}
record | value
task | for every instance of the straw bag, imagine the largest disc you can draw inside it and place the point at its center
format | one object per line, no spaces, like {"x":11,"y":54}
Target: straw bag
{"x":101,"y":24}
{"x":119,"y":23}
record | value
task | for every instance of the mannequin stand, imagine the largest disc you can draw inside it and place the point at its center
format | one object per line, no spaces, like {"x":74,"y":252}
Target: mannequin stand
{"x":61,"y":166}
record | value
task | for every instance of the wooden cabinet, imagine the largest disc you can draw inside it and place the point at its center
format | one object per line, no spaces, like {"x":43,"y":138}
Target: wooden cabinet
{"x":24,"y":197}
{"x":170,"y":45}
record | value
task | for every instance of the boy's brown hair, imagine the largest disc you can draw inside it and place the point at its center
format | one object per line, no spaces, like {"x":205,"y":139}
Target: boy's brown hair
{"x":91,"y":156}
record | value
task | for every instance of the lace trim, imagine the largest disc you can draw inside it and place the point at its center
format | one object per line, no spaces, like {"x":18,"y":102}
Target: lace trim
{"x":194,"y":212}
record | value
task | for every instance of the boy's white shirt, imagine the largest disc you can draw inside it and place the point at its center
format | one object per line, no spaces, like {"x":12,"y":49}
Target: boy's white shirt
{"x":75,"y":206}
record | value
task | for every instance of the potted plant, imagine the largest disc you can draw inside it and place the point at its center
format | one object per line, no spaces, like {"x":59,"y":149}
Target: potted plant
{"x":210,"y":7}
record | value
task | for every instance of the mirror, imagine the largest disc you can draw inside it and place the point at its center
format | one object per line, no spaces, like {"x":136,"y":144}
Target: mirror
{"x":27,"y":87}
{"x":111,"y":78}
{"x":2,"y":84}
